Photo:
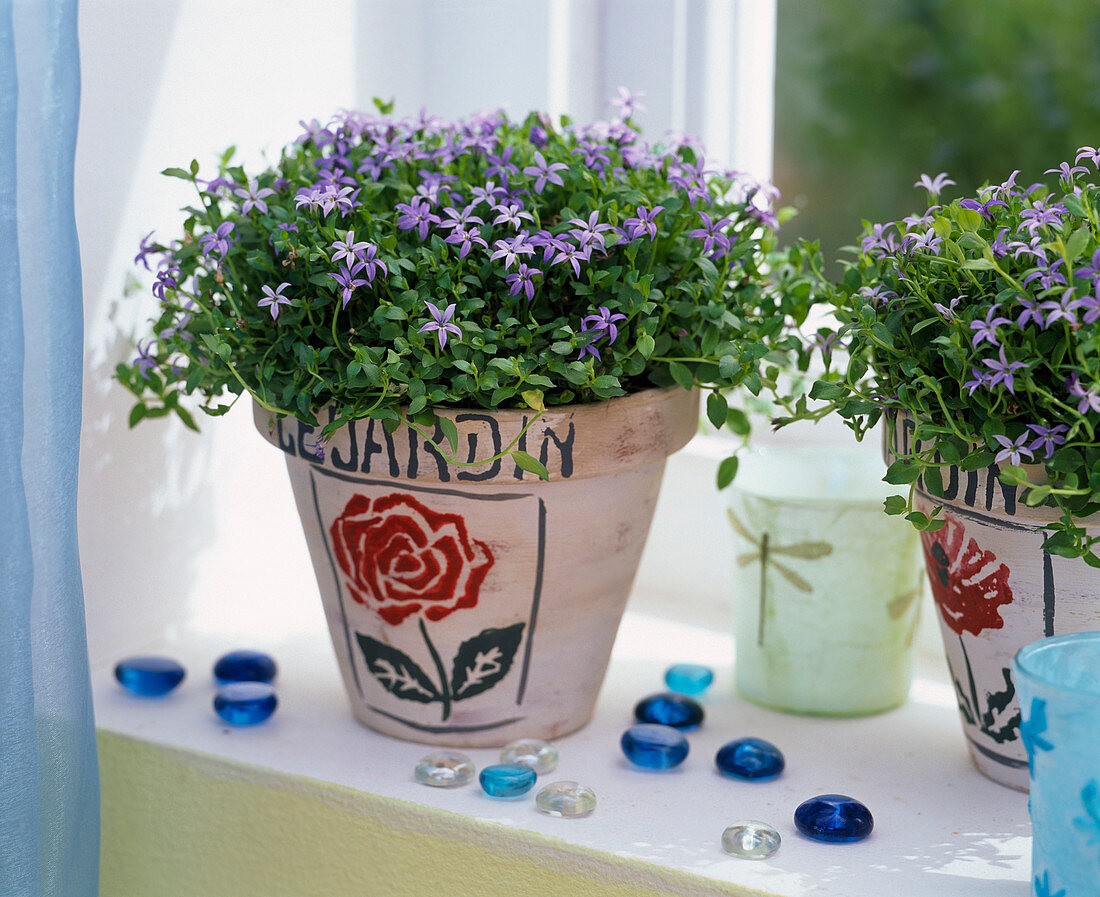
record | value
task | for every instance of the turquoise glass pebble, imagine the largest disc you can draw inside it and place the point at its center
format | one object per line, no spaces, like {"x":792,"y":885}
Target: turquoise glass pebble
{"x":670,"y":709}
{"x":834,"y":818}
{"x":507,"y":779}
{"x":689,"y":678}
{"x":150,"y":677}
{"x":652,"y":746}
{"x":245,"y":703}
{"x":753,"y":759}
{"x":244,"y":666}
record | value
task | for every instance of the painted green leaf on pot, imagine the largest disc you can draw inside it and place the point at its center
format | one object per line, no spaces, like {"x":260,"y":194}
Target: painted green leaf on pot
{"x":481,"y":662}
{"x":397,"y":672}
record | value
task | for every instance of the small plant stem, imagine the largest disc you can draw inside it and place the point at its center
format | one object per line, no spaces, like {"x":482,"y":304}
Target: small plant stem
{"x":444,"y":689}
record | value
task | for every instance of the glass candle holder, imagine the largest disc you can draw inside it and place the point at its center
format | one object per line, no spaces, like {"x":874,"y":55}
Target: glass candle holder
{"x":827,"y":587}
{"x":1058,"y":686}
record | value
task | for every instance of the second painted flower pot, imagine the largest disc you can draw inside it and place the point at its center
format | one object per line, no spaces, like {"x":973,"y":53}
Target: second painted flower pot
{"x":996,"y":590}
{"x":470,"y":606}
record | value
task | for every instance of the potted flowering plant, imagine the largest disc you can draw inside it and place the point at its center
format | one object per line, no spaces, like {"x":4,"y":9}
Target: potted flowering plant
{"x":476,"y":342}
{"x":973,"y":329}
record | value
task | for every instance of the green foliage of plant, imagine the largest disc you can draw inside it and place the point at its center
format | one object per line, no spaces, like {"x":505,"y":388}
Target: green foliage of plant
{"x":980,"y":318}
{"x":387,"y":267}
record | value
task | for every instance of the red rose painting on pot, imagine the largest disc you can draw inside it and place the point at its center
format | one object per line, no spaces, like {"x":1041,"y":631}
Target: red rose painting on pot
{"x":400,"y":557}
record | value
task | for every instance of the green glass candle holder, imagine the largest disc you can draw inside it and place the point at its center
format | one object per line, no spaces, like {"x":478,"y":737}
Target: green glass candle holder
{"x":827,"y":587}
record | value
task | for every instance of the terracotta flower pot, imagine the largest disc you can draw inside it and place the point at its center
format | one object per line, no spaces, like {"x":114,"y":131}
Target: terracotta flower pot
{"x":996,"y":590}
{"x":470,"y":606}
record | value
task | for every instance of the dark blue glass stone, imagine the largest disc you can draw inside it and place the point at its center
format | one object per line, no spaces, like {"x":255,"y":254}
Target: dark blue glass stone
{"x":149,"y":677}
{"x":750,"y":758}
{"x":245,"y":703}
{"x":670,"y":709}
{"x":654,"y":747}
{"x":507,"y":779}
{"x":689,"y":678}
{"x":834,"y":818}
{"x":244,"y":666}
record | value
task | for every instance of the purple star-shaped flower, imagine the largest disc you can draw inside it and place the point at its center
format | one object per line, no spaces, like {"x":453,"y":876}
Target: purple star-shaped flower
{"x":1089,"y":398}
{"x":348,"y":281}
{"x":979,"y":379}
{"x":877,"y":295}
{"x":1066,"y":171}
{"x":145,"y":362}
{"x":1064,"y":309}
{"x":544,"y":172}
{"x":512,"y":214}
{"x":254,"y":196}
{"x":934,"y":185}
{"x":929,"y":241}
{"x":502,"y":164}
{"x":574,"y":255}
{"x":416,"y":215}
{"x":455,"y":219}
{"x":145,"y":248}
{"x":590,"y":231}
{"x":1003,"y":370}
{"x":711,"y":234}
{"x":643,"y":224}
{"x":348,"y":250}
{"x":627,"y":103}
{"x":603,"y":322}
{"x":521,"y":279}
{"x":273,"y":298}
{"x":1047,"y":437}
{"x":1013,"y":450}
{"x":441,"y":323}
{"x":217,"y":242}
{"x":1033,"y":311}
{"x":947,"y":311}
{"x":511,"y":250}
{"x":467,"y":238}
{"x":987,"y":330}
{"x":1089,"y":152}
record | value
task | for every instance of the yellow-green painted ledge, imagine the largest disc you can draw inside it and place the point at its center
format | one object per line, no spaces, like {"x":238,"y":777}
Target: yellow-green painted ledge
{"x":186,"y":824}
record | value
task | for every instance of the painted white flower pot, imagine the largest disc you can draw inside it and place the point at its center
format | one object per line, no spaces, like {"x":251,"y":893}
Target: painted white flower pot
{"x":996,"y":590}
{"x":470,"y":606}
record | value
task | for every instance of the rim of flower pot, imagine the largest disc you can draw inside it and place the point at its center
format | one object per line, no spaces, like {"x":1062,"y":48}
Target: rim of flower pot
{"x":640,"y":428}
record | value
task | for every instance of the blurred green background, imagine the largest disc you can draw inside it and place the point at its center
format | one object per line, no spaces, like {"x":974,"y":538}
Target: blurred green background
{"x":869,"y":95}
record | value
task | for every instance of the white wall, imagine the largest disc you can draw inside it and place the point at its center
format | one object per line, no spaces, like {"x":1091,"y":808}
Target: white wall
{"x":178,"y":529}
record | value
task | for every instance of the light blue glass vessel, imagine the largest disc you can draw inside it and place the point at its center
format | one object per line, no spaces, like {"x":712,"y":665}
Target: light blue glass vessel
{"x":1058,"y":686}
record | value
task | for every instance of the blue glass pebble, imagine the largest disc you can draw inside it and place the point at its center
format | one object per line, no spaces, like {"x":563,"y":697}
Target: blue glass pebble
{"x":149,"y":677}
{"x":753,"y":759}
{"x":834,"y":818}
{"x":245,"y":703}
{"x":244,"y":666}
{"x":670,"y":709}
{"x":507,"y":779}
{"x":689,"y":678}
{"x":654,"y":747}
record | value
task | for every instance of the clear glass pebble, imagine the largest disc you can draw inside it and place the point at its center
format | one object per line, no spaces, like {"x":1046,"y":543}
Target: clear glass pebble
{"x":539,"y":755}
{"x":750,"y":840}
{"x":244,"y":666}
{"x":447,"y":769}
{"x":654,"y":747}
{"x":150,"y":677}
{"x":245,"y":703}
{"x":834,"y":818}
{"x":753,"y":759}
{"x":507,"y":780}
{"x":566,"y":799}
{"x":670,"y":709}
{"x":689,"y":678}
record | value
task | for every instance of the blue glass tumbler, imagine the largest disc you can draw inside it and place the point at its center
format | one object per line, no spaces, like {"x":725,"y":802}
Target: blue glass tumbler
{"x":1058,"y":685}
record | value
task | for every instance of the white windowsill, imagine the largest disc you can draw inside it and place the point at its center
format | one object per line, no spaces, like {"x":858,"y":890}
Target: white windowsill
{"x":935,"y":814}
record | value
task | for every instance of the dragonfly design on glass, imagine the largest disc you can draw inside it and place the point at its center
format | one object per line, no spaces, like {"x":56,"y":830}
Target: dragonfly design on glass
{"x":765,"y":553}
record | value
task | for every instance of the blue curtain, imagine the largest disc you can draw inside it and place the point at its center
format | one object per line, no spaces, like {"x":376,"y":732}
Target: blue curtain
{"x":49,"y":788}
